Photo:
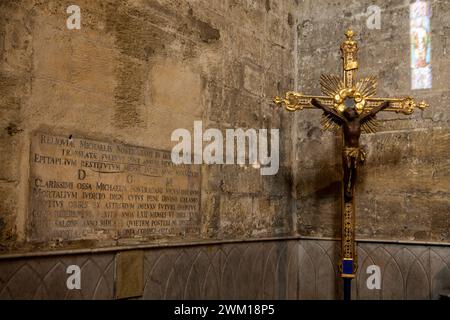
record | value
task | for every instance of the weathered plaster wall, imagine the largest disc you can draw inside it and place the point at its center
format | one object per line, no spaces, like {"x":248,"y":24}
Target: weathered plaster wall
{"x":136,"y":71}
{"x":403,"y":189}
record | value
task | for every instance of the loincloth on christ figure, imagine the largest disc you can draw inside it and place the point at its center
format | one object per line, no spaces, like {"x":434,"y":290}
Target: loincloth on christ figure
{"x":354,"y":153}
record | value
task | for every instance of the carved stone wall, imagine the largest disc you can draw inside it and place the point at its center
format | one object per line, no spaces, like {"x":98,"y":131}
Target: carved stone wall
{"x":133,"y":73}
{"x":403,"y":188}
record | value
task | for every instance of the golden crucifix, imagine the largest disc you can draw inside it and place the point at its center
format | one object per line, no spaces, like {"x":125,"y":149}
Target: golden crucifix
{"x":352,"y":106}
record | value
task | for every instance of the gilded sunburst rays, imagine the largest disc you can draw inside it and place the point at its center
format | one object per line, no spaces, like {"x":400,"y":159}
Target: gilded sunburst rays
{"x":370,"y":126}
{"x":331,"y":84}
{"x":328,"y":123}
{"x":367,"y":86}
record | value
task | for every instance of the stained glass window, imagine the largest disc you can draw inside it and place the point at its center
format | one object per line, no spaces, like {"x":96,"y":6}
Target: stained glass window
{"x":420,"y":14}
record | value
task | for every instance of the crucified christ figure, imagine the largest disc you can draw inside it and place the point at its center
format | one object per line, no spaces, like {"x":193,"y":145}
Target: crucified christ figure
{"x":350,"y":104}
{"x":351,"y":121}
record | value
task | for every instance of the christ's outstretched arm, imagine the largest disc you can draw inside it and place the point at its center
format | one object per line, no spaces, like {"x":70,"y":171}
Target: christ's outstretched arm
{"x":328,"y":110}
{"x":374,"y":111}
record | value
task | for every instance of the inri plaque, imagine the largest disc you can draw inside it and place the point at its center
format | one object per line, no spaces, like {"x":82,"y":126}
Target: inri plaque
{"x":84,"y":189}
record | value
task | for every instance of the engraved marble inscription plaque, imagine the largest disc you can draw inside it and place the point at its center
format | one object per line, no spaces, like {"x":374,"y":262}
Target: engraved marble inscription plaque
{"x":84,"y":189}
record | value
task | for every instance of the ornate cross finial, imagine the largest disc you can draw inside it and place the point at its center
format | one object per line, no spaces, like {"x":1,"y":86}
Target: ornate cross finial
{"x":349,"y":34}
